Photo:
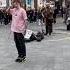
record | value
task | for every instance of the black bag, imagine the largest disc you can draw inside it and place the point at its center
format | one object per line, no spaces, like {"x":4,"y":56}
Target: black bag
{"x":39,"y":36}
{"x":32,"y":38}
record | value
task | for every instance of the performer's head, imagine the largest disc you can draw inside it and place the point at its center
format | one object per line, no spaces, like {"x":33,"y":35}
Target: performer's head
{"x":16,"y":3}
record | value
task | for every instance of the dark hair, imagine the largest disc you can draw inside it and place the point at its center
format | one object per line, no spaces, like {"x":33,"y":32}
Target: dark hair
{"x":18,"y":1}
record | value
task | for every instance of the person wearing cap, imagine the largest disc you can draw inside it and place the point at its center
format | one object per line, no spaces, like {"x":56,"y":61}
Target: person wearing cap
{"x":18,"y":27}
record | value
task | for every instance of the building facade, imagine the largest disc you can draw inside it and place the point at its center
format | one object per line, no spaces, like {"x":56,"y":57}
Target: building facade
{"x":3,"y":3}
{"x":32,"y":3}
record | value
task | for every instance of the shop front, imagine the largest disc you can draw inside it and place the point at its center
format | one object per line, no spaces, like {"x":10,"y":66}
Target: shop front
{"x":29,"y":4}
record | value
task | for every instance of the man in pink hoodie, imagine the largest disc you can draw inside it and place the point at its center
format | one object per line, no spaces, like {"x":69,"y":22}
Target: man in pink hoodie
{"x":18,"y":26}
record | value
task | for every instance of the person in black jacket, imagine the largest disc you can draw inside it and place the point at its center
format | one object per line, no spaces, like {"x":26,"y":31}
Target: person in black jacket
{"x":1,"y":16}
{"x":54,"y":15}
{"x":6,"y":18}
{"x":48,"y":16}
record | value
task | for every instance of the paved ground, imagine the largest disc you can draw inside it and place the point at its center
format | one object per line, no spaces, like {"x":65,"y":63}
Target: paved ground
{"x":52,"y":53}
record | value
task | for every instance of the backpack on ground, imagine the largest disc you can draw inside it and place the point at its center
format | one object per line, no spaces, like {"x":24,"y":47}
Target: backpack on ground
{"x":39,"y":36}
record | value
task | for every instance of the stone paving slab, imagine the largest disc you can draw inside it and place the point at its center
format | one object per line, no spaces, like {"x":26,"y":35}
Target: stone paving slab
{"x":52,"y":53}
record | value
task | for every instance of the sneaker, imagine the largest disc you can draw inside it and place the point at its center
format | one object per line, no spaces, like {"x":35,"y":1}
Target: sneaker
{"x":20,"y":59}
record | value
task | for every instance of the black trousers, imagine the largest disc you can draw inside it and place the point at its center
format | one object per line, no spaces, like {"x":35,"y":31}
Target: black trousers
{"x":49,"y":26}
{"x":20,"y":44}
